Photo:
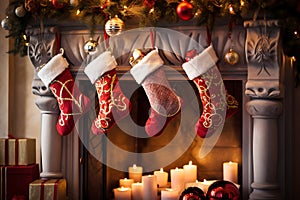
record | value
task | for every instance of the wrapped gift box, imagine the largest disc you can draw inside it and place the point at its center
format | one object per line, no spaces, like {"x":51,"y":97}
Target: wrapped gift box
{"x":15,"y":180}
{"x":20,"y":151}
{"x":52,"y":189}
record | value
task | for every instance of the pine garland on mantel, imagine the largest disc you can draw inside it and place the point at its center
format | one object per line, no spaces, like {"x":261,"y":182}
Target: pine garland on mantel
{"x":21,"y":13}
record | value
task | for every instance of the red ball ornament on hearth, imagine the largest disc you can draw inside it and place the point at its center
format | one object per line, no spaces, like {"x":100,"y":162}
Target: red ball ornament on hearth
{"x":184,"y":10}
{"x":58,"y":4}
{"x":223,"y":190}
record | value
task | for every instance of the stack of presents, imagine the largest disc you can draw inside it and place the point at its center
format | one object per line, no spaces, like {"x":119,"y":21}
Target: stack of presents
{"x":20,"y":174}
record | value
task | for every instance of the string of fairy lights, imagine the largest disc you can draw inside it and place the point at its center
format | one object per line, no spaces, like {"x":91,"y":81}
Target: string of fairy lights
{"x":112,"y":15}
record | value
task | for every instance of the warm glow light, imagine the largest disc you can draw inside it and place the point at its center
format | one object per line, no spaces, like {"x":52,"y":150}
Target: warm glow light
{"x":295,"y":32}
{"x":293,"y":58}
{"x":242,"y":3}
{"x":231,"y":11}
{"x":152,"y":10}
{"x":78,"y":12}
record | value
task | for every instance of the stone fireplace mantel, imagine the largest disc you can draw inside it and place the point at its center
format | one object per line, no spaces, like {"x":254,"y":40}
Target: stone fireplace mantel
{"x":259,"y":68}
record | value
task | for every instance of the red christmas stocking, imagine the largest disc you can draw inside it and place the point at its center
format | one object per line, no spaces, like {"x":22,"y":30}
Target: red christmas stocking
{"x":113,"y":105}
{"x":72,"y":103}
{"x":165,"y":104}
{"x":202,"y":70}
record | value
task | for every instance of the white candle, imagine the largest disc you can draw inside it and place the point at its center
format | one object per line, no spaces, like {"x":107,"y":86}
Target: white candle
{"x":190,"y":173}
{"x":149,"y":187}
{"x":205,"y":185}
{"x":162,"y":177}
{"x":135,"y":173}
{"x":169,"y":194}
{"x":137,"y":191}
{"x":177,"y":179}
{"x":122,"y":193}
{"x":193,"y":184}
{"x":230,"y":171}
{"x":125,"y":182}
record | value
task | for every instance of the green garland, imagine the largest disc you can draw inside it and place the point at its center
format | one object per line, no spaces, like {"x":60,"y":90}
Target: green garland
{"x":149,"y":12}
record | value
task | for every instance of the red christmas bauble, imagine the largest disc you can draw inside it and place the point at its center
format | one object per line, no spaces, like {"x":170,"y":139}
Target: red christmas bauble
{"x":184,"y":10}
{"x":149,"y":3}
{"x":58,"y":4}
{"x":223,"y":190}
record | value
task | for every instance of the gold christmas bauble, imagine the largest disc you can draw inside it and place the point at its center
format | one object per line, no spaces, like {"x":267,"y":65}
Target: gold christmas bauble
{"x":231,"y":57}
{"x":114,"y":26}
{"x":20,"y":11}
{"x":90,"y":46}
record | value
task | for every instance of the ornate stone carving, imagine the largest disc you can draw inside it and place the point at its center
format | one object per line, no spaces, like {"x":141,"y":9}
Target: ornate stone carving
{"x":266,"y":108}
{"x":262,"y":58}
{"x":42,"y":47}
{"x":263,"y":85}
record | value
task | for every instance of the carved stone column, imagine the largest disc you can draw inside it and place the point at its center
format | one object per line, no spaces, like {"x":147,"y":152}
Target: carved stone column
{"x":265,"y":107}
{"x":42,"y":47}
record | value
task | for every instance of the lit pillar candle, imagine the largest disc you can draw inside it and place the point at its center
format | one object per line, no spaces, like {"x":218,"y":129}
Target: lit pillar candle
{"x":190,"y":173}
{"x":135,"y":173}
{"x":193,"y":184}
{"x":122,"y":193}
{"x":205,"y":185}
{"x":149,"y":187}
{"x":162,"y":177}
{"x":137,"y":191}
{"x":177,"y":179}
{"x":230,"y":171}
{"x":169,"y":194}
{"x":125,"y":182}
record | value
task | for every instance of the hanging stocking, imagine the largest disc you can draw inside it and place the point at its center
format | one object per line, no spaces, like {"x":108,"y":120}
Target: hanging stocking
{"x":165,"y":104}
{"x":72,"y":103}
{"x":201,"y":69}
{"x":113,"y":105}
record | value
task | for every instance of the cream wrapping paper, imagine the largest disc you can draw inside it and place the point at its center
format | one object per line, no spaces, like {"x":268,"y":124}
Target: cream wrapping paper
{"x":21,"y":151}
{"x":52,"y":189}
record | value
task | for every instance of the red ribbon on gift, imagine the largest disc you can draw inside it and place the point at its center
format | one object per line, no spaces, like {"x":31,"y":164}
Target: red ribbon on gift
{"x":54,"y":192}
{"x":16,"y":152}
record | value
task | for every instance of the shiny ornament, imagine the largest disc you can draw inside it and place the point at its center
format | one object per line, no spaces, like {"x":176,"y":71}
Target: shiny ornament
{"x":137,"y":55}
{"x":58,"y":4}
{"x":114,"y":26}
{"x":90,"y":46}
{"x":31,"y":5}
{"x":44,"y":3}
{"x":192,"y":193}
{"x":231,"y":57}
{"x":20,"y":11}
{"x":149,"y":3}
{"x":184,"y":10}
{"x":5,"y":23}
{"x":223,"y":190}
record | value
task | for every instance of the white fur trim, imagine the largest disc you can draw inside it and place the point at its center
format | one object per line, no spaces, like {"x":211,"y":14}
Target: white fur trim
{"x":103,"y":63}
{"x":53,"y":68}
{"x":146,"y":66}
{"x":200,"y":63}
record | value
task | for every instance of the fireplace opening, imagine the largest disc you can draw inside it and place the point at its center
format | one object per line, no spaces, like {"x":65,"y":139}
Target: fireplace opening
{"x":97,"y":180}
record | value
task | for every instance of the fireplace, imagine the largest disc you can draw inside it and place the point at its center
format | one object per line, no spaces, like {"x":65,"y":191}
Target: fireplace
{"x":249,"y":137}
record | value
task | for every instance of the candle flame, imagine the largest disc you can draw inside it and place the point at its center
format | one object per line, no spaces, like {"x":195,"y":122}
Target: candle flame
{"x":190,"y":163}
{"x":161,"y":170}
